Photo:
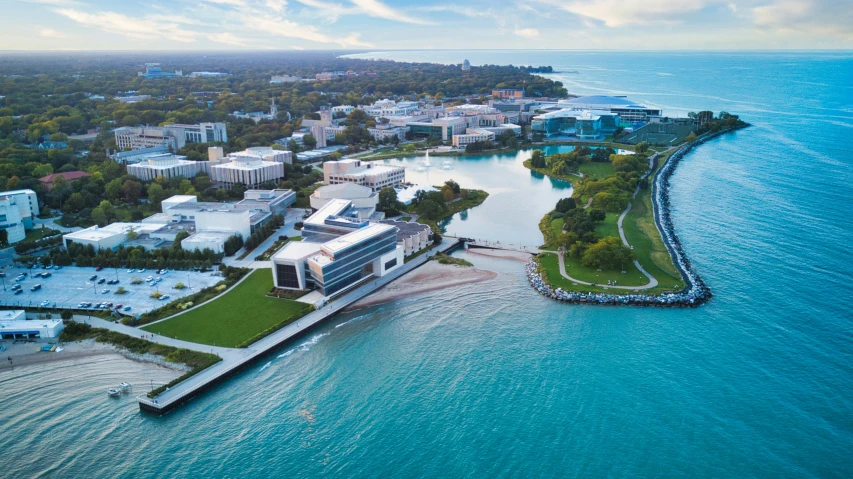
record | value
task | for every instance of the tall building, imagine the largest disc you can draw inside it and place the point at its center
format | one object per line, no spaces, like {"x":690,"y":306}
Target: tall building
{"x":251,"y":167}
{"x":338,"y":252}
{"x":372,"y":175}
{"x":173,"y":136}
{"x":10,"y":219}
{"x":466,"y":65}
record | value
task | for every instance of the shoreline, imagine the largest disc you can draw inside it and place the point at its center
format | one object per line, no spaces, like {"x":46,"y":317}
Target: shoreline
{"x":695,"y":293}
{"x":430,"y":277}
{"x":28,"y":354}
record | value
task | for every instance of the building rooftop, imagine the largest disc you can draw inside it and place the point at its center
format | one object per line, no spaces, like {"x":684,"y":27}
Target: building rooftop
{"x":209,"y":236}
{"x":349,"y":189}
{"x":603,"y":100}
{"x":405,"y":228}
{"x":294,"y":250}
{"x":96,"y":233}
{"x":333,"y":208}
{"x":357,"y":236}
{"x":68,"y":175}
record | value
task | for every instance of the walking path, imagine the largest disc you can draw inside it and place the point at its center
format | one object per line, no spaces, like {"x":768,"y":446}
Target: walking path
{"x":653,"y":282}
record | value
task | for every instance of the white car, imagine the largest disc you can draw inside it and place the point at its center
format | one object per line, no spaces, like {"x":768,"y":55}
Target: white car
{"x":45,"y":303}
{"x":129,"y":271}
{"x":140,"y":271}
{"x":164,"y":297}
{"x":105,"y":291}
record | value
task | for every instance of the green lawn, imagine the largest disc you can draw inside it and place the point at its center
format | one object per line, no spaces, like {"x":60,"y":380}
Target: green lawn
{"x":633,"y":277}
{"x":596,"y":170}
{"x":39,"y":233}
{"x":241,"y":315}
{"x":609,"y":226}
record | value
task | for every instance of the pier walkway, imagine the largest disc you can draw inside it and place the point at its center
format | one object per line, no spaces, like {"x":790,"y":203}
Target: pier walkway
{"x":481,"y":243}
{"x":235,"y":359}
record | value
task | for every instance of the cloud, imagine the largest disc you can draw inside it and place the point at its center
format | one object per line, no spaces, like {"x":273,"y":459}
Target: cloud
{"x":327,"y":11}
{"x":810,"y":17}
{"x":285,"y":28}
{"x":526,"y":32}
{"x":469,"y":12}
{"x":617,"y":13}
{"x":375,"y":8}
{"x":228,"y":39}
{"x":51,"y":33}
{"x":136,"y":28}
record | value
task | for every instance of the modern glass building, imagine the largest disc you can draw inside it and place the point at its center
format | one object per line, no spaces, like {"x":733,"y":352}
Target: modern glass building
{"x":348,"y":259}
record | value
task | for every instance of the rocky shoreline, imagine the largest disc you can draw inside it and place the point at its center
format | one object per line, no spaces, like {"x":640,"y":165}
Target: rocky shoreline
{"x":696,"y":292}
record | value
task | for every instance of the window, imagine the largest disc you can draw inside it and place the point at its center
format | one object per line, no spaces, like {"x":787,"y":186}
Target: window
{"x":287,"y":277}
{"x":390,"y":264}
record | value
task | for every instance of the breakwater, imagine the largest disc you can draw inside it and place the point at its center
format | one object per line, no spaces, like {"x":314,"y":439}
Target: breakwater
{"x":695,"y":293}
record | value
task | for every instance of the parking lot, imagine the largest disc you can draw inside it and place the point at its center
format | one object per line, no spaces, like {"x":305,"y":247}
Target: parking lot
{"x":70,"y":286}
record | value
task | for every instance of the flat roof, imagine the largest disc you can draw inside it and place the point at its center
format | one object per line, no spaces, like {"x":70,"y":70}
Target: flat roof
{"x":355,"y":237}
{"x":209,"y":235}
{"x":332,"y":208}
{"x":295,"y":250}
{"x":96,"y":233}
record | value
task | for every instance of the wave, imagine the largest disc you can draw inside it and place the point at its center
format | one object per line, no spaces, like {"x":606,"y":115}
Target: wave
{"x":314,"y":340}
{"x":266,"y":366}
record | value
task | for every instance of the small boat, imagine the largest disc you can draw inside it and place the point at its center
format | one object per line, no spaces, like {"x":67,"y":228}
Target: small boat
{"x":125,"y":387}
{"x":113,"y":392}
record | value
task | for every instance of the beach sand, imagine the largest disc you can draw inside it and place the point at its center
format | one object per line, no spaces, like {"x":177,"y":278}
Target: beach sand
{"x":25,"y":354}
{"x":496,"y":253}
{"x":430,"y":277}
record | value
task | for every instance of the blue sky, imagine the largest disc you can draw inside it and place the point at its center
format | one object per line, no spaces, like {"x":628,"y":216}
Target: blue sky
{"x":425,"y":24}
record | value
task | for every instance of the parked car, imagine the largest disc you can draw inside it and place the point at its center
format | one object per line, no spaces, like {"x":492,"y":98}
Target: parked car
{"x":93,"y":277}
{"x":19,"y":291}
{"x":127,"y":308}
{"x":99,"y":268}
{"x":37,"y":275}
{"x":118,"y":306}
{"x":105,"y":291}
{"x":102,"y":281}
{"x":45,"y":303}
{"x":35,"y":287}
{"x":164,"y":297}
{"x":46,"y":275}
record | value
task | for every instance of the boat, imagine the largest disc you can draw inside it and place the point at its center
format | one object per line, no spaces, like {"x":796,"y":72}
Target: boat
{"x":113,"y":392}
{"x":125,"y":387}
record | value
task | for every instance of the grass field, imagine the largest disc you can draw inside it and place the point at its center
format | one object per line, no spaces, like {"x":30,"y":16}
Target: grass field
{"x":39,"y":233}
{"x":549,"y":262}
{"x":234,"y":319}
{"x":609,"y":226}
{"x":596,"y":170}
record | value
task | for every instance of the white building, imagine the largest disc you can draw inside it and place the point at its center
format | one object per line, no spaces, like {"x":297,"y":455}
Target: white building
{"x":174,"y":136}
{"x":372,"y":175}
{"x":386,"y":108}
{"x":257,"y":116}
{"x":473,"y":135}
{"x":360,"y":196}
{"x":167,"y":165}
{"x":14,"y":325}
{"x":276,"y":79}
{"x":110,"y":236}
{"x":251,"y":167}
{"x":384,"y":131}
{"x":27,"y":203}
{"x":202,"y":240}
{"x":10,"y":220}
{"x":345,"y":109}
{"x":411,"y":236}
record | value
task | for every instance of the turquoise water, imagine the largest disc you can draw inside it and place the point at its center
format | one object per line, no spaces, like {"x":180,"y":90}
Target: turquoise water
{"x":492,"y":380}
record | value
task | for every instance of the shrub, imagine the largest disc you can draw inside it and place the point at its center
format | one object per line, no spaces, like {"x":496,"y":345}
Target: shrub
{"x":156,"y":295}
{"x":121,"y":290}
{"x":179,"y":286}
{"x":136,"y":281}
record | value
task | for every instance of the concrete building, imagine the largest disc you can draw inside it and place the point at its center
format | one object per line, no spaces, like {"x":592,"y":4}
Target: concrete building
{"x":153,"y":70}
{"x":202,"y":240}
{"x":339,"y":252}
{"x":444,"y":127}
{"x":411,"y":236}
{"x":473,"y":135}
{"x":167,"y":165}
{"x":15,"y":325}
{"x":172,"y":136}
{"x":135,"y":156}
{"x":629,"y":111}
{"x":369,"y":174}
{"x":251,"y":167}
{"x":275,"y":201}
{"x":28,"y":205}
{"x":507,"y":93}
{"x":277,"y":79}
{"x":345,"y":109}
{"x":110,"y":236}
{"x":382,"y":132}
{"x":386,"y":108}
{"x":10,"y":219}
{"x":257,"y":116}
{"x":360,"y":196}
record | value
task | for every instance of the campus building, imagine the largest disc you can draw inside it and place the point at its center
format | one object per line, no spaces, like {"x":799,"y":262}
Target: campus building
{"x":444,"y":127}
{"x":473,"y":135}
{"x":251,"y":167}
{"x":369,"y":174}
{"x":411,"y":236}
{"x":18,"y":208}
{"x":508,"y":94}
{"x":171,"y":136}
{"x":15,"y":325}
{"x":584,"y":124}
{"x":360,"y":196}
{"x":337,"y":252}
{"x":153,"y":70}
{"x":167,"y":165}
{"x":629,"y":111}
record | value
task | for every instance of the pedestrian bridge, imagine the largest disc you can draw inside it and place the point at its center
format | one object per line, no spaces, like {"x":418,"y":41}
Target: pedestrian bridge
{"x":487,"y":244}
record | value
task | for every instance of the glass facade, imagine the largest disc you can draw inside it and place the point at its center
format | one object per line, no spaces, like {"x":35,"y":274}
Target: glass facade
{"x":286,"y":275}
{"x":353,"y":263}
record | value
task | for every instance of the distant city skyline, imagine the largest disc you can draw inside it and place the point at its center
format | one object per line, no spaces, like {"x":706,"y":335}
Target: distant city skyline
{"x":426,"y":24}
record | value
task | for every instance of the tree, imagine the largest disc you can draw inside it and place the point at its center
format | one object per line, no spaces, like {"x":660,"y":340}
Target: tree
{"x":74,"y":203}
{"x":131,"y":191}
{"x":156,"y":194}
{"x":565,"y":205}
{"x":691,"y":137}
{"x":388,"y":202}
{"x":641,"y":147}
{"x":454,"y":186}
{"x":430,"y":209}
{"x":537,"y":160}
{"x":607,"y":253}
{"x":597,"y":214}
{"x":107,"y":209}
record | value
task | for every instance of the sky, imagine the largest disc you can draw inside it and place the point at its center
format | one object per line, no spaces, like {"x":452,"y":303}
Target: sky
{"x":182,"y":25}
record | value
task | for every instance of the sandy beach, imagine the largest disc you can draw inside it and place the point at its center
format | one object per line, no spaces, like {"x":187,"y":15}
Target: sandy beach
{"x":497,"y":253}
{"x":25,"y":354}
{"x":430,"y":277}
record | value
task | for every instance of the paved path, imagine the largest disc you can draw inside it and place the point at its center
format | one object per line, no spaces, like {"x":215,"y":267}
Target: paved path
{"x":503,"y":246}
{"x":50,"y":223}
{"x":563,"y":273}
{"x":167,"y":341}
{"x":235,"y":359}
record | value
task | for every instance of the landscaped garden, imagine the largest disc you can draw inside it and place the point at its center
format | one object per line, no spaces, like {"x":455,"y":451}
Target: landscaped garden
{"x":238,"y":318}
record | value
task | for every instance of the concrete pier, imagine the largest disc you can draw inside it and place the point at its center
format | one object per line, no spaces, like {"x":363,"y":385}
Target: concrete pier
{"x":237,"y":359}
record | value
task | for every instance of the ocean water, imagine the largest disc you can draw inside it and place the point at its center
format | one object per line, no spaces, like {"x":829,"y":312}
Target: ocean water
{"x":493,"y":380}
